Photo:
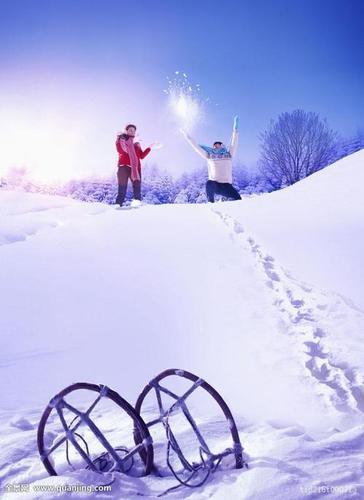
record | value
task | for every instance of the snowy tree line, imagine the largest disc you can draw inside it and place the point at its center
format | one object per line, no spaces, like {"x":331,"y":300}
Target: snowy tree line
{"x":294,"y":146}
{"x":158,"y":186}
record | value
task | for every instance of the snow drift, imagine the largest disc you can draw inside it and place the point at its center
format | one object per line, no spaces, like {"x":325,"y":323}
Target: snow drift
{"x":260,"y":297}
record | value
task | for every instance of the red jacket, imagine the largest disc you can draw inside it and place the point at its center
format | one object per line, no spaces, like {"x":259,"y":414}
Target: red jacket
{"x":124,"y":157}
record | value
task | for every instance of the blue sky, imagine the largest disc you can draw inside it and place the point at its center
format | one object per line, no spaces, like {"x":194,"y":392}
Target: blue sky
{"x":91,"y":66}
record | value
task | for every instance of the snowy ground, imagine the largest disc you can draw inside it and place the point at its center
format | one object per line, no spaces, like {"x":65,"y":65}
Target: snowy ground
{"x":262,"y":298}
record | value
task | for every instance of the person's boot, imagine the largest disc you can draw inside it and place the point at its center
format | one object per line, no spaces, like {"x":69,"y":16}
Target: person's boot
{"x":121,"y":195}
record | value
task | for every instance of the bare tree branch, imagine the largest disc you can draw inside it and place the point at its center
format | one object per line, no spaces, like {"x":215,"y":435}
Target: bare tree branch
{"x":296,"y":145}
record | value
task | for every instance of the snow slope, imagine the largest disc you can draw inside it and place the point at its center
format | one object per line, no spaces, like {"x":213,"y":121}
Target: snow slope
{"x":320,"y":224}
{"x":90,"y":293}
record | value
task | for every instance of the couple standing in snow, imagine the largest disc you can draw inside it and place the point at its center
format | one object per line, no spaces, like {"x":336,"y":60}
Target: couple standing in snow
{"x":218,"y":157}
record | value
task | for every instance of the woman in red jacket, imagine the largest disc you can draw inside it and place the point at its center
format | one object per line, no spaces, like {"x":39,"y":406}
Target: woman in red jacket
{"x":129,"y":166}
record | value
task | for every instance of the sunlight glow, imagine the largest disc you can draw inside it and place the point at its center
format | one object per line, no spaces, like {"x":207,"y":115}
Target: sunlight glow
{"x":44,"y":147}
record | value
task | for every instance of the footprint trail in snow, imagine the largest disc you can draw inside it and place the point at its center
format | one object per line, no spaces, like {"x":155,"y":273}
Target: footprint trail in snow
{"x":306,"y":314}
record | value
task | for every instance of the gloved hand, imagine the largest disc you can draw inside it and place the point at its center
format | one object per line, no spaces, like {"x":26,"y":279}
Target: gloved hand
{"x":236,"y":123}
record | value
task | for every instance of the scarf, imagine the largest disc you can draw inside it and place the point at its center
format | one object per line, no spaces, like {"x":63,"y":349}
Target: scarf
{"x":216,"y":153}
{"x":128,"y":146}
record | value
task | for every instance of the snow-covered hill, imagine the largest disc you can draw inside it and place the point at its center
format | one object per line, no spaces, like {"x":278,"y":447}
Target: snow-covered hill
{"x":260,"y":297}
{"x":315,"y":227}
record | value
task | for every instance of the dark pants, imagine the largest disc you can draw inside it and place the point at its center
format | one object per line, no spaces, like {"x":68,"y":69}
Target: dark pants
{"x":223,"y":188}
{"x":124,"y":173}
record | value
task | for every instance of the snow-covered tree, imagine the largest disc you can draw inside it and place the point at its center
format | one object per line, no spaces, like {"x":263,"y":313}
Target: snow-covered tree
{"x":182,"y":197}
{"x":16,"y":177}
{"x":294,"y":146}
{"x":349,"y":145}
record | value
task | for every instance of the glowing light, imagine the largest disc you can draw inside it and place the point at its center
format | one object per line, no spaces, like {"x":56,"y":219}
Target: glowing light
{"x":43,"y":146}
{"x":185,"y":102}
{"x":182,"y":106}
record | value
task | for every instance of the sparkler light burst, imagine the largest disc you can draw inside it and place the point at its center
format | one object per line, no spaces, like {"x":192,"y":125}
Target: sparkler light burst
{"x":185,"y":101}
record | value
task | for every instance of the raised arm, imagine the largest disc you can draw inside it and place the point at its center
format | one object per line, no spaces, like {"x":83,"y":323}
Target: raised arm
{"x":234,"y":138}
{"x":194,"y":145}
{"x":144,"y":153}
